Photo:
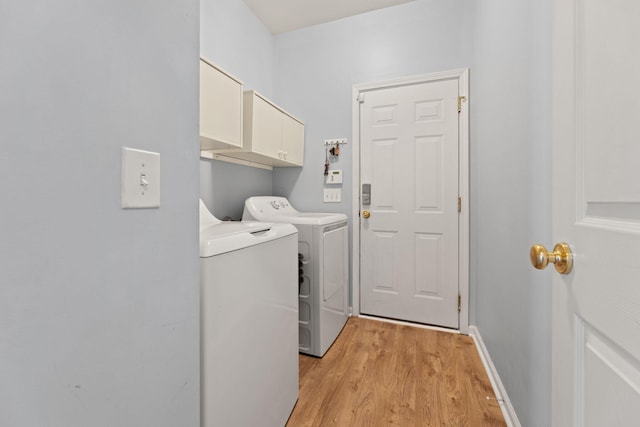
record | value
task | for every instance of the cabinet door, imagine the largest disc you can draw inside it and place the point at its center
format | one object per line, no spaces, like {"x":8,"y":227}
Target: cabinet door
{"x":292,"y":140}
{"x":220,"y":109}
{"x":266,"y":135}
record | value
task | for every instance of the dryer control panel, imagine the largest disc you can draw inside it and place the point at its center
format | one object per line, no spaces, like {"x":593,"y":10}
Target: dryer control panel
{"x":279,"y":204}
{"x":278,"y":209}
{"x":271,"y":204}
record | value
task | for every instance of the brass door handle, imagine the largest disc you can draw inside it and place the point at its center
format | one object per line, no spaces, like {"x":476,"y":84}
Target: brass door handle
{"x":366,"y":213}
{"x":561,"y":257}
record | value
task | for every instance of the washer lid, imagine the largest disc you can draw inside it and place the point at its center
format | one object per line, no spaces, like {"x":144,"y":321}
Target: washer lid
{"x":308,"y":218}
{"x":278,"y":209}
{"x":229,"y":236}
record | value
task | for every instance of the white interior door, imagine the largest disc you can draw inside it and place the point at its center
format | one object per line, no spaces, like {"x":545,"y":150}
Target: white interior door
{"x":596,"y":308}
{"x":409,"y":243}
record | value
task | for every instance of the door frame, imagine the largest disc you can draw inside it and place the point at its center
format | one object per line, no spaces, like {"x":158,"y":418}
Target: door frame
{"x":462,"y":75}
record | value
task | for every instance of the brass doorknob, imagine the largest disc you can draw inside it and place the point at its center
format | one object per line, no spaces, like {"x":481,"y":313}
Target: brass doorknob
{"x":561,"y":257}
{"x":366,"y":213}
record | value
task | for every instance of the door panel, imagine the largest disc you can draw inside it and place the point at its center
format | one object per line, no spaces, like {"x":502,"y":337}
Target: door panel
{"x":428,"y":173}
{"x":596,"y":308}
{"x":384,"y":253}
{"x":409,"y":244}
{"x":383,"y":152}
{"x":609,"y":368}
{"x":428,"y":264}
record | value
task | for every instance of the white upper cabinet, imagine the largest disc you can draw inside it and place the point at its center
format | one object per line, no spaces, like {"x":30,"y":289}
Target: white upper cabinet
{"x":262,"y":126}
{"x":292,"y":140}
{"x":220,"y":109}
{"x":271,"y":135}
{"x":246,"y":127}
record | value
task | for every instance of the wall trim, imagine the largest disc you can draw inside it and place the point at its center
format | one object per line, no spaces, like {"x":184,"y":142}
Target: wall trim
{"x":496,"y":383}
{"x":462,"y":75}
{"x":210,"y":155}
{"x":413,"y":325}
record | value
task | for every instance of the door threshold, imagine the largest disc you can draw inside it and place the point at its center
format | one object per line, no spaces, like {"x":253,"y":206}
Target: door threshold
{"x":405,"y":323}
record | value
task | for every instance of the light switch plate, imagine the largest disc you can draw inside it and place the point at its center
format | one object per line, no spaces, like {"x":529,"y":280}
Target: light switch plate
{"x":332,"y":195}
{"x":140,"y":179}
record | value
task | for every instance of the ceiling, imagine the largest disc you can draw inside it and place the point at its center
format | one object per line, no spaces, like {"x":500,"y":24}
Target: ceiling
{"x":281,"y":16}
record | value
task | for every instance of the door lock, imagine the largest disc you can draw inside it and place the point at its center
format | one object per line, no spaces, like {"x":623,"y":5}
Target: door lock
{"x":366,"y":194}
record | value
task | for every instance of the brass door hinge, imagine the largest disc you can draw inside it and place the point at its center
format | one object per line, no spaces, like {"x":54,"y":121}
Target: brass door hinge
{"x":459,"y":303}
{"x":459,"y":204}
{"x":460,"y":99}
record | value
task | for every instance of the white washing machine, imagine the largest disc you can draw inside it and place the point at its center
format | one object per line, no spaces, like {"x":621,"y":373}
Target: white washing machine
{"x":323,"y":274}
{"x":249,"y":322}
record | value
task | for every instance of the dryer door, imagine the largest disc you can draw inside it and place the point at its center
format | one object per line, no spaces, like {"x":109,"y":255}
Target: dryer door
{"x":335,"y":268}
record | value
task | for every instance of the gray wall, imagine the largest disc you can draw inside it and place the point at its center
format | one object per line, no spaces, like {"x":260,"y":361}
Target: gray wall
{"x":232,"y":37}
{"x":318,"y":66}
{"x":507,"y":46}
{"x":510,"y":187}
{"x":225,"y":186}
{"x":98,"y":305}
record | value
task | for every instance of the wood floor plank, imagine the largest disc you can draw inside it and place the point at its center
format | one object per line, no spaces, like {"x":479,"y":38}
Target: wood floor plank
{"x":386,"y":374}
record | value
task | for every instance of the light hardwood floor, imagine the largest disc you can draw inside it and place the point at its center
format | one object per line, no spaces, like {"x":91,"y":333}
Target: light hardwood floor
{"x":385,"y":374}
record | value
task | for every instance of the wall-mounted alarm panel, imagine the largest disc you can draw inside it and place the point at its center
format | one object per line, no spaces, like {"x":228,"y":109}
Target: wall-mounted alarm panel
{"x":334,"y":177}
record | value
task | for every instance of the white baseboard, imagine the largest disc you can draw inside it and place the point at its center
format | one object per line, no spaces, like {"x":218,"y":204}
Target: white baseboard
{"x":498,"y":388}
{"x":413,"y":325}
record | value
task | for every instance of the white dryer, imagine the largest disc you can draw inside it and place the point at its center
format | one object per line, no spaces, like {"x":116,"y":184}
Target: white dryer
{"x":323,"y":251}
